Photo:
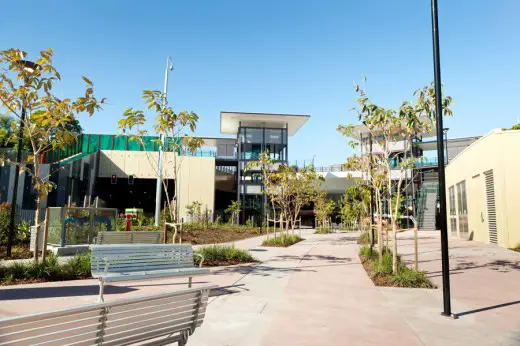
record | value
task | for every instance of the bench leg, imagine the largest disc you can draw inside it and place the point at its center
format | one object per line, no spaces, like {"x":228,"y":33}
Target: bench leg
{"x":184,"y":338}
{"x":101,"y":289}
{"x":189,"y":282}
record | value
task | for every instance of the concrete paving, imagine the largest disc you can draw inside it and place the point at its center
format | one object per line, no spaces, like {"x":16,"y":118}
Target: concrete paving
{"x":485,"y":292}
{"x":317,"y":293}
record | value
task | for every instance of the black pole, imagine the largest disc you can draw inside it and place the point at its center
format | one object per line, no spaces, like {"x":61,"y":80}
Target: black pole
{"x":371,"y":199}
{"x":15,"y":185}
{"x":446,"y":141}
{"x":440,"y":160}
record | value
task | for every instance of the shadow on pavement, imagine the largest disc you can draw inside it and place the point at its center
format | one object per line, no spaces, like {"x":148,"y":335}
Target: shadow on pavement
{"x":225,"y":290}
{"x":501,"y":266}
{"x":329,"y":259}
{"x":487,"y":308}
{"x":56,"y":292}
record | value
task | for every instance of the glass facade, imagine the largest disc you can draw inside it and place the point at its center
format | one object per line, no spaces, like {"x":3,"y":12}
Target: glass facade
{"x":255,"y":140}
{"x":252,"y":142}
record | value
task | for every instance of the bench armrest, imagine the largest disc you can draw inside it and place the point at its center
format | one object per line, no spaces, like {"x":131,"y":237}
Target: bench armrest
{"x":201,"y":258}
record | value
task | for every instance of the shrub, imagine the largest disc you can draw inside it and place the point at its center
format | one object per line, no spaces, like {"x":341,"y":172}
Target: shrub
{"x":50,"y":270}
{"x":79,"y":265}
{"x":282,"y":240}
{"x":364,"y":238}
{"x":215,"y":255}
{"x":23,"y":232}
{"x":322,"y":230}
{"x":5,"y":213}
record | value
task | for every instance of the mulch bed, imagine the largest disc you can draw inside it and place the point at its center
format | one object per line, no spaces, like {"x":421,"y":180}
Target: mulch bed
{"x":379,"y":279}
{"x":38,"y":281}
{"x":17,"y":252}
{"x":217,"y":235}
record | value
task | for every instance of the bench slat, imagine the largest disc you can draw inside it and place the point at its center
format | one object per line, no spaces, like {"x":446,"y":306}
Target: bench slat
{"x":39,"y":323}
{"x":140,"y":258}
{"x":148,"y":268}
{"x":137,"y":318}
{"x":134,"y":237}
{"x":158,"y":330}
{"x":144,"y":325}
{"x":126,"y":318}
{"x":135,"y":307}
{"x":152,"y":275}
{"x":151,"y":260}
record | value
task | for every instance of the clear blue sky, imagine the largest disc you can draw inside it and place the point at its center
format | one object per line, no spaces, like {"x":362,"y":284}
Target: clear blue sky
{"x":279,"y":56}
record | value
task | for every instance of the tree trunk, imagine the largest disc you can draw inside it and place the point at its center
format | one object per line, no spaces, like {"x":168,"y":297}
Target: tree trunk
{"x":37,"y":228}
{"x":416,"y":248}
{"x":394,"y":247}
{"x":387,"y":240}
{"x":380,"y":231}
{"x":37,"y":213}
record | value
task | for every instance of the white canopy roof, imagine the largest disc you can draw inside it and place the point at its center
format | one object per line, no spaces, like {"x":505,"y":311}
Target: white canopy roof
{"x":230,"y":121}
{"x":362,"y":131}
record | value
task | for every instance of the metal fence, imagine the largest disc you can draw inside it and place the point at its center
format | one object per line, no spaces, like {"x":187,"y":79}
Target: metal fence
{"x":28,"y":215}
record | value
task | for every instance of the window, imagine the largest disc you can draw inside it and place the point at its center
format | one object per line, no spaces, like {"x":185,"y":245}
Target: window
{"x":461,"y":197}
{"x":462,"y":209}
{"x":452,"y":200}
{"x":273,"y":136}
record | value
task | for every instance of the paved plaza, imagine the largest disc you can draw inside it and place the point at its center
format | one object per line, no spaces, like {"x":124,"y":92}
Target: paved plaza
{"x":317,"y":293}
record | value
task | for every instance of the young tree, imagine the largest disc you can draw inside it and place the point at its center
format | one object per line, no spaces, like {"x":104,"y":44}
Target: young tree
{"x":26,"y":94}
{"x":374,"y":178}
{"x":323,"y":208}
{"x":193,"y":210}
{"x":234,"y":208}
{"x":303,"y":187}
{"x":7,"y":125}
{"x":355,"y":203}
{"x":388,"y":127}
{"x":171,"y":125}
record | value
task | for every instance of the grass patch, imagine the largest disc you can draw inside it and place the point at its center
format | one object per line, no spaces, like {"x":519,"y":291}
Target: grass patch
{"x":382,"y":275}
{"x":221,"y":255}
{"x":77,"y":267}
{"x":321,"y":230}
{"x":282,"y":240}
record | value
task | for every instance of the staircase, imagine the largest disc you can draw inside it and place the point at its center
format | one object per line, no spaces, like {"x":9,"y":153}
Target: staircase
{"x":427,"y":202}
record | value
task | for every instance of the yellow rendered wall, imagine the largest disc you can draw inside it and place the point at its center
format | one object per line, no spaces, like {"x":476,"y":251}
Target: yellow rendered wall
{"x":196,"y":174}
{"x":510,"y":149}
{"x":494,"y":151}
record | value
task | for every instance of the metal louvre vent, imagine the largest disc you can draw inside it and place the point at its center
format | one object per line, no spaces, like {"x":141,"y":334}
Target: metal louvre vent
{"x":491,"y":209}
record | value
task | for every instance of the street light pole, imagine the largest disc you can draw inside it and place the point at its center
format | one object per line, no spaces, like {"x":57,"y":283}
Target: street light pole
{"x":440,"y":161}
{"x":29,"y":67}
{"x":158,"y":190}
{"x":372,"y":235}
{"x":446,"y":144}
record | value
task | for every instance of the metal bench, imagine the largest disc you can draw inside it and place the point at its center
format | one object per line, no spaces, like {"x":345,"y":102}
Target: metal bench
{"x":128,"y":238}
{"x":157,"y":319}
{"x":110,"y":263}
